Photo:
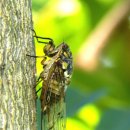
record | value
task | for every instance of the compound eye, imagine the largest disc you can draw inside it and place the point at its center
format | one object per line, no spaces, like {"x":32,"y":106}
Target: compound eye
{"x":65,"y":47}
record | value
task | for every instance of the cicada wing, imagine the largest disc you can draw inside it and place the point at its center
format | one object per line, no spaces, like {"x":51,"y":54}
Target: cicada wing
{"x":56,"y":120}
{"x":54,"y":117}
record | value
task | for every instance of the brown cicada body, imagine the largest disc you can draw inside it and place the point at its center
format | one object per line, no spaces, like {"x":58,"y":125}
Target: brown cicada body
{"x":56,"y":74}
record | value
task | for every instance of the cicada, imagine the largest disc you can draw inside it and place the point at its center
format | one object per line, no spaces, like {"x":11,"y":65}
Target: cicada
{"x":55,"y":77}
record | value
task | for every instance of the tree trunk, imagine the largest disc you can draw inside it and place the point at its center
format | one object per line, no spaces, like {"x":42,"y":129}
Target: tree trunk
{"x":17,"y":71}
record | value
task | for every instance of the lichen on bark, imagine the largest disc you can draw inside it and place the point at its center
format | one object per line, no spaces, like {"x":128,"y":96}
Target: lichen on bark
{"x":17,"y":71}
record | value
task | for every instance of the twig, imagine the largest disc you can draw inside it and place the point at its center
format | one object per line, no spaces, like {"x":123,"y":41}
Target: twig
{"x":90,"y":50}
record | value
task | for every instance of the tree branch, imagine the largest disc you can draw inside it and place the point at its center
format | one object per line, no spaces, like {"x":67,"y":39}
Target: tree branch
{"x":90,"y":50}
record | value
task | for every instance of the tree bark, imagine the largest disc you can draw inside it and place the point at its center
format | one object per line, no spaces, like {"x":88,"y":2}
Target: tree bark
{"x":17,"y":71}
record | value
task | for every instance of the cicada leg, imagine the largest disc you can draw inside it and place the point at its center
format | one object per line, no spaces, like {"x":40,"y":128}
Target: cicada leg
{"x":39,"y":37}
{"x":49,"y":48}
{"x":43,"y":60}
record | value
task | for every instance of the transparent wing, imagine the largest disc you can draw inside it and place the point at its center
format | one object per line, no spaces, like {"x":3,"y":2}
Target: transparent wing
{"x":54,"y":118}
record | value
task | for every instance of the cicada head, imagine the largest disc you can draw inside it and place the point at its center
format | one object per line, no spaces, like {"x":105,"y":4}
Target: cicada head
{"x":65,"y":47}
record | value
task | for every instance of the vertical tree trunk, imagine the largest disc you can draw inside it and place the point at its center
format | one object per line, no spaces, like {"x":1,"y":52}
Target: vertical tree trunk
{"x":17,"y":71}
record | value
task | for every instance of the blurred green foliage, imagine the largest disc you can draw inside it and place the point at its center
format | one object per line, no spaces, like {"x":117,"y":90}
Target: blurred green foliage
{"x":99,"y":99}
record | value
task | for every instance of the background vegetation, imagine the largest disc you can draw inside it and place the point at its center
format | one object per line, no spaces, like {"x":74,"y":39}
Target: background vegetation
{"x":98,"y":33}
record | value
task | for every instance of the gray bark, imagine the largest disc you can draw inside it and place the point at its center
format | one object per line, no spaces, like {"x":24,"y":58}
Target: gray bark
{"x":17,"y":71}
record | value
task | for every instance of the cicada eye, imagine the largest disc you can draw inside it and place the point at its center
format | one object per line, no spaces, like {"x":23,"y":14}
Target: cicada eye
{"x":65,"y":47}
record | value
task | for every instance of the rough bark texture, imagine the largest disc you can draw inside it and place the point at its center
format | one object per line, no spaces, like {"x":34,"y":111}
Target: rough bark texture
{"x":17,"y":71}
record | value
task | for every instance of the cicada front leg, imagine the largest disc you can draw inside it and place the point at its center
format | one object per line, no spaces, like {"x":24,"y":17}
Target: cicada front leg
{"x":43,"y":60}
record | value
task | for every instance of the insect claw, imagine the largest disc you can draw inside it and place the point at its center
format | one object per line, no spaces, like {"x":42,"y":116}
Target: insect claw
{"x":34,"y":32}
